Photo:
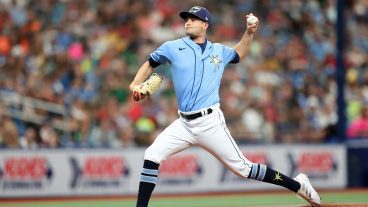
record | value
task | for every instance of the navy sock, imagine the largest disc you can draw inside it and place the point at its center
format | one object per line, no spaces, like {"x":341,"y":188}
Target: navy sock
{"x":147,"y":183}
{"x":266,"y":174}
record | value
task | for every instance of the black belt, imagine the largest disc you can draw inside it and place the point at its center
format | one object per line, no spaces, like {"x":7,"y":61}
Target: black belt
{"x":195,"y":115}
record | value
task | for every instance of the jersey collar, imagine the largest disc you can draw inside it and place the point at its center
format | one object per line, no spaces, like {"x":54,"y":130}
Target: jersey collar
{"x":194,"y":45}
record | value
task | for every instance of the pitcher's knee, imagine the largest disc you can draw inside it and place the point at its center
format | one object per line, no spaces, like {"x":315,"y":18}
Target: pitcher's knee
{"x":243,"y":169}
{"x":152,"y":155}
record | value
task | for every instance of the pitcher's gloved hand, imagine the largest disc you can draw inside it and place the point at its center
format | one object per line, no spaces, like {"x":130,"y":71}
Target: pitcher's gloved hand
{"x":148,"y":87}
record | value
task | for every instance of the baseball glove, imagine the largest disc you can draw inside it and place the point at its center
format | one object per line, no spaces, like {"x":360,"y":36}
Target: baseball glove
{"x":151,"y":85}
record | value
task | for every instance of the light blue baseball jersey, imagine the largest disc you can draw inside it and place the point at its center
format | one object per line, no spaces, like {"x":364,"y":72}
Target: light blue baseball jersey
{"x":196,"y":75}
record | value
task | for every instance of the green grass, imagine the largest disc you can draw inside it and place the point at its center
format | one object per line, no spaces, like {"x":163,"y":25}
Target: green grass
{"x":267,"y":199}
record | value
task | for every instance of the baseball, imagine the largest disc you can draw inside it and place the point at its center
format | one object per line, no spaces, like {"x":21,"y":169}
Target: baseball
{"x":138,"y":96}
{"x":252,"y":20}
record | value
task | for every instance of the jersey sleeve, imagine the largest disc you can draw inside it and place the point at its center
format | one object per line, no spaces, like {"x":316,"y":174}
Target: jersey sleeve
{"x":152,"y":62}
{"x":229,"y":55}
{"x":162,"y":54}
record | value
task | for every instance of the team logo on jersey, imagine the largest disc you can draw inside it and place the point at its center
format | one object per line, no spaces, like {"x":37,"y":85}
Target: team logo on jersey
{"x":216,"y":61}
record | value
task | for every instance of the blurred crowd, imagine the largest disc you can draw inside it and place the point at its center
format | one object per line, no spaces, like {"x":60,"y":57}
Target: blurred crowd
{"x":82,"y":55}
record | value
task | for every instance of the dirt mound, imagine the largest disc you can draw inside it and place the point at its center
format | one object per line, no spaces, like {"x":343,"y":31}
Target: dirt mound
{"x":343,"y":205}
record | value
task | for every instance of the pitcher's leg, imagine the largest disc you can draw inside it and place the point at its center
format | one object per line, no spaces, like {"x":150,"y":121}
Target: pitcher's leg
{"x":218,"y":141}
{"x":173,"y":139}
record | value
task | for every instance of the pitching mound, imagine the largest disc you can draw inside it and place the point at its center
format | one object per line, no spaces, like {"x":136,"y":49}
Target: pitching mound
{"x":342,"y":205}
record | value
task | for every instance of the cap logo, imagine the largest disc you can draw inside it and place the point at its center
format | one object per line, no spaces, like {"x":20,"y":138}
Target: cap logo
{"x":195,"y":9}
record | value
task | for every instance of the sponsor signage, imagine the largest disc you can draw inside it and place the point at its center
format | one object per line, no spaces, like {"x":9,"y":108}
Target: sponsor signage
{"x":98,"y":171}
{"x":115,"y":172}
{"x":180,"y":169}
{"x":25,"y":172}
{"x":315,"y":164}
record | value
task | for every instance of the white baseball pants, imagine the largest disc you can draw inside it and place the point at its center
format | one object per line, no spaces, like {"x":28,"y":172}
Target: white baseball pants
{"x":209,"y":132}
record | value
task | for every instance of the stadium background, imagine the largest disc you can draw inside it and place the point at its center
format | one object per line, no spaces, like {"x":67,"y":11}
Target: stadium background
{"x":65,"y":68}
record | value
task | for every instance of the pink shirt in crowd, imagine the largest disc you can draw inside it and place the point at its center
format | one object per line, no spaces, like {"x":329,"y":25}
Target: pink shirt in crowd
{"x":358,"y":128}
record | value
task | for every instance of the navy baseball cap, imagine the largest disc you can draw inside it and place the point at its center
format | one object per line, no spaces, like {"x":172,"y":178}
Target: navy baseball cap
{"x":199,"y":12}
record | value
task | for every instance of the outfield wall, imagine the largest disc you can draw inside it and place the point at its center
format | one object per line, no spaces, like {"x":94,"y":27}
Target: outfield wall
{"x":116,"y":172}
{"x":357,"y":163}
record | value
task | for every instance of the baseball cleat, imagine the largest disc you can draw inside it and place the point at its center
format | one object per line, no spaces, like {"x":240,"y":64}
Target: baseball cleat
{"x":306,"y":190}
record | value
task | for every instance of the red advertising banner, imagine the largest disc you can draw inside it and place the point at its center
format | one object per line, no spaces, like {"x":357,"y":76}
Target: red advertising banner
{"x":114,"y":172}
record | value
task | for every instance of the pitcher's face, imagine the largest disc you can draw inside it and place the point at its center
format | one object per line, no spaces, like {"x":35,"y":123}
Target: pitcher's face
{"x":195,"y":27}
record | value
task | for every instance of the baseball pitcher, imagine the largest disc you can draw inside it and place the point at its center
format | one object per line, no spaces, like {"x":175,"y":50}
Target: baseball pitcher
{"x":197,"y":66}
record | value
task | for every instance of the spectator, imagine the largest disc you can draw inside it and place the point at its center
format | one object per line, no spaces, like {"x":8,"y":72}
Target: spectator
{"x":83,"y":54}
{"x":49,"y":137}
{"x":28,"y":141}
{"x":359,"y":127}
{"x":103,"y":135}
{"x":9,"y":135}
